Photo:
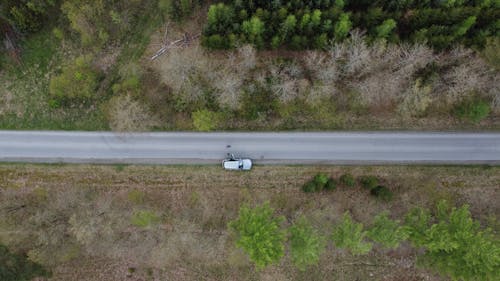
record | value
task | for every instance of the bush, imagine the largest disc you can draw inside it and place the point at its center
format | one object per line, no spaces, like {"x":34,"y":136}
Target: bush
{"x":78,"y":81}
{"x":309,"y":187}
{"x":320,"y":180}
{"x":382,"y":192}
{"x":205,"y":120}
{"x":318,"y":183}
{"x":473,"y":109}
{"x":331,"y":184}
{"x":347,"y":180}
{"x":369,"y":182}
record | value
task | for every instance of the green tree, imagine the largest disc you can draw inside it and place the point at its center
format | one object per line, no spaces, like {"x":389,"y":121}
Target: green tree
{"x":178,"y":9}
{"x":456,"y":245}
{"x":384,"y":30}
{"x":259,"y":234}
{"x":350,"y":235}
{"x":78,"y":81}
{"x":387,"y":232}
{"x":306,"y":244}
{"x":219,"y":19}
{"x":464,"y":26}
{"x":288,"y":27}
{"x":27,"y":15}
{"x":342,"y":27}
{"x":17,"y":267}
{"x":254,"y":29}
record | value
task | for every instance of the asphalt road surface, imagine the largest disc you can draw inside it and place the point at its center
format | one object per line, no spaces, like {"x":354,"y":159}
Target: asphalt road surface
{"x":306,"y":148}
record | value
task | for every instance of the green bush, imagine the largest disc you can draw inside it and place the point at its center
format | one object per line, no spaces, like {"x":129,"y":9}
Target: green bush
{"x":309,"y":187}
{"x":347,"y":180}
{"x":473,"y":109}
{"x":205,"y":120}
{"x":369,"y":182}
{"x":320,"y":180}
{"x":78,"y":81}
{"x":382,"y":192}
{"x":318,"y":183}
{"x":331,"y":184}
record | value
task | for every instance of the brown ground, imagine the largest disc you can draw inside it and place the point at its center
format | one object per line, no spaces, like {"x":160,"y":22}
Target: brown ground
{"x":196,"y":202}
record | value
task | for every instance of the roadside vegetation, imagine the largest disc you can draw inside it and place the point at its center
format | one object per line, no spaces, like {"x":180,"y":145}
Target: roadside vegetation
{"x":256,"y":65}
{"x":77,"y":222}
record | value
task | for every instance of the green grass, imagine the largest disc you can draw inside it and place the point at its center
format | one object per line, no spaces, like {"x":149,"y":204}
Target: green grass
{"x":27,"y":87}
{"x":144,"y":218}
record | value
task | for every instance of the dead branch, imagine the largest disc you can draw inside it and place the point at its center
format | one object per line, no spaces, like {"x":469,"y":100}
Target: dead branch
{"x":185,"y":41}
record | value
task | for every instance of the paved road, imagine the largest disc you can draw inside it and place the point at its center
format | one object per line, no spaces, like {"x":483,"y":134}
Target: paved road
{"x":170,"y":148}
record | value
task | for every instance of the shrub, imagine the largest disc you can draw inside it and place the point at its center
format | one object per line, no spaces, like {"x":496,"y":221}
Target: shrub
{"x":144,"y":218}
{"x":331,"y":184}
{"x":369,"y":182}
{"x":473,"y":109}
{"x":318,"y":183}
{"x":78,"y":81}
{"x":205,"y":120}
{"x":320,"y":180}
{"x":347,"y":180}
{"x":382,"y":192}
{"x":309,"y":187}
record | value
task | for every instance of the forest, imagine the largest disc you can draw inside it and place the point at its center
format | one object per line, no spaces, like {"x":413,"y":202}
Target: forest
{"x":252,"y":65}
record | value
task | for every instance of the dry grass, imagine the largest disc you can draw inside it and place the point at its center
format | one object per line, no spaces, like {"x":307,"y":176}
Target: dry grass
{"x":94,"y":239}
